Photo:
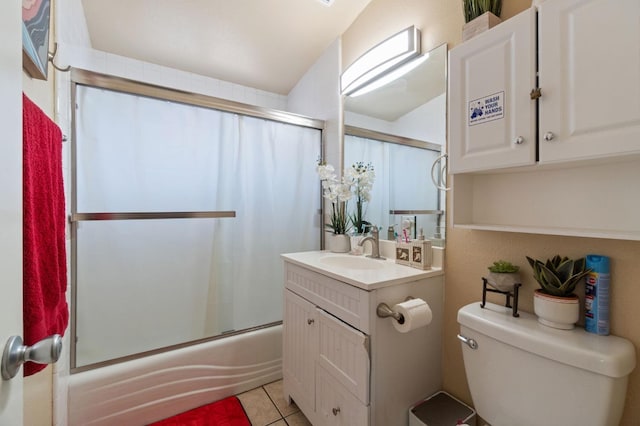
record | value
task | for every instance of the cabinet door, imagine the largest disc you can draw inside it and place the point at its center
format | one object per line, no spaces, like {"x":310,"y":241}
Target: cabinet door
{"x":300,"y":341}
{"x":589,"y":64}
{"x":491,"y":115}
{"x":344,"y":352}
{"x":336,"y":405}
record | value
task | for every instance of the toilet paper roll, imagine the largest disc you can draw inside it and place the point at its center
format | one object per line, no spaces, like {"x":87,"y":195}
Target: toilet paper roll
{"x":416,"y":313}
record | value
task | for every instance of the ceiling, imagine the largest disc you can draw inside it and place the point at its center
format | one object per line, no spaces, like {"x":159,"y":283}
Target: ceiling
{"x":264,"y":44}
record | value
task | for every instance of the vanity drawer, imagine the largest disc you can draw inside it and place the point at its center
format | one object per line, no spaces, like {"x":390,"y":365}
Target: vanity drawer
{"x":342,"y":300}
{"x":337,"y":406}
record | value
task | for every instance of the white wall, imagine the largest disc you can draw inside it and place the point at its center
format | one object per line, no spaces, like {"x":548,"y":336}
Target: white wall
{"x":427,"y":122}
{"x":317,"y":95}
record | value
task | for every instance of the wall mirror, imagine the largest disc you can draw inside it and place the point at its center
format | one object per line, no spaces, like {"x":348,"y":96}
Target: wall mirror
{"x":400,"y":129}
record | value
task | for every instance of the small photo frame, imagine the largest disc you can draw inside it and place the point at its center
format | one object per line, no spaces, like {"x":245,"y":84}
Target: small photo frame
{"x":403,"y":254}
{"x":421,"y":254}
{"x":35,"y":37}
{"x":416,"y":254}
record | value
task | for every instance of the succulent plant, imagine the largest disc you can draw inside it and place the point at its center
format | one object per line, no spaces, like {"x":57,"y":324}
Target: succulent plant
{"x":475,"y":8}
{"x":559,"y":276}
{"x":503,"y":267}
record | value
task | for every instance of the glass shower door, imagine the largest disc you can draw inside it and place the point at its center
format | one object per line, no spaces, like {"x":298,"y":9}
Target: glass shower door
{"x":180,"y":214}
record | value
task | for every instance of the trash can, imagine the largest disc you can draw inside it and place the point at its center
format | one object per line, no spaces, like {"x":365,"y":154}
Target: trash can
{"x":441,"y":409}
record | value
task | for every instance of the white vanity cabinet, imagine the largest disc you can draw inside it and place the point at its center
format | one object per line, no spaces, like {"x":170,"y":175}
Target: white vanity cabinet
{"x":316,"y":343}
{"x":588,"y":64}
{"x":344,"y":365}
{"x":566,"y":162}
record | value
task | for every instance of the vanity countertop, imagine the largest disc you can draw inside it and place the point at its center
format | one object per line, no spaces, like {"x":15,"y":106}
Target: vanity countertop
{"x":358,"y":270}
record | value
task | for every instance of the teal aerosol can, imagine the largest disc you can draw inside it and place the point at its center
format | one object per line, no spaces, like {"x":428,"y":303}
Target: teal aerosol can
{"x":596,"y":295}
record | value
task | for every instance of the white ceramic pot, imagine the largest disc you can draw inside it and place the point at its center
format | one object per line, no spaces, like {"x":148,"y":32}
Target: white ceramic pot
{"x":339,"y":243}
{"x":556,"y":312}
{"x":503,"y":281}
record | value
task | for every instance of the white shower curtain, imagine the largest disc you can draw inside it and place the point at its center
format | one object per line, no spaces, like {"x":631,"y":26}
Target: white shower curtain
{"x":146,"y":284}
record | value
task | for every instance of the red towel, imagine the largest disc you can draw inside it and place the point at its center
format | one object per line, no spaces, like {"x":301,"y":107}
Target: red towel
{"x":44,"y":258}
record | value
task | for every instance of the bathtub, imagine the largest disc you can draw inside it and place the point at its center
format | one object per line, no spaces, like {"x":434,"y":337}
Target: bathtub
{"x":148,"y":389}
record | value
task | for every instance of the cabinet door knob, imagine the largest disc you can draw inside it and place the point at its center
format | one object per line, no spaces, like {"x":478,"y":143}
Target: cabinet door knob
{"x":336,"y":411}
{"x":548,"y":136}
{"x":310,"y":321}
{"x":535,"y":93}
{"x":519,"y":140}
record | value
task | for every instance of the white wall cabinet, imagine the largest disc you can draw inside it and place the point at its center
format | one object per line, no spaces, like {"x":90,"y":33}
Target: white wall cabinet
{"x":588,"y":67}
{"x":566,"y":163}
{"x":492,"y":117}
{"x":589,"y":71}
{"x":342,"y":364}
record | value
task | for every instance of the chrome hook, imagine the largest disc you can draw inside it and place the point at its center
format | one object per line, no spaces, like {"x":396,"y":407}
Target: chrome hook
{"x":52,"y":55}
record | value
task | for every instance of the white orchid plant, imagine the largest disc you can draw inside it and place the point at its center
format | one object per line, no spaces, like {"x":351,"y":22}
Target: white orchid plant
{"x":359,"y":179}
{"x":360,"y":176}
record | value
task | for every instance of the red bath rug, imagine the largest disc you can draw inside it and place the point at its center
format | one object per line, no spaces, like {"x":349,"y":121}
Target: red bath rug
{"x":226,"y":412}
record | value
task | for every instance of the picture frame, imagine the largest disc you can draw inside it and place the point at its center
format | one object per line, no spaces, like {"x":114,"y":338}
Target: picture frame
{"x":403,"y":254}
{"x":35,"y":37}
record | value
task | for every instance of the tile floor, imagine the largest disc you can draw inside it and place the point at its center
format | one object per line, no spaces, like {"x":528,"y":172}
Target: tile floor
{"x":266,"y":406}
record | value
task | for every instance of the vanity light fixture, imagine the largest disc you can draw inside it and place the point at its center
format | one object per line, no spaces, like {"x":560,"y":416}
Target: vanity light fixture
{"x":381,"y":59}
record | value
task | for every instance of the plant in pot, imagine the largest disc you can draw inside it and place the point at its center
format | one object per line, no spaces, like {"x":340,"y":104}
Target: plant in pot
{"x":554,"y":302}
{"x":474,"y":8}
{"x":503,"y":275}
{"x":338,"y":191}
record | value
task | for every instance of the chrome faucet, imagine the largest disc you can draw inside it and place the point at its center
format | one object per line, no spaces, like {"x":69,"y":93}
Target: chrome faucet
{"x":375,"y":243}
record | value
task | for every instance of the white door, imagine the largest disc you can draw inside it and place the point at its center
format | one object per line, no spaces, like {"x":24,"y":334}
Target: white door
{"x":10,"y":199}
{"x":589,"y":67}
{"x":492,"y":119}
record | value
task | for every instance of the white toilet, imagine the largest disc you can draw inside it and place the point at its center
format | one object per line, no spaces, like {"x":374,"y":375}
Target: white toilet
{"x":521,"y":372}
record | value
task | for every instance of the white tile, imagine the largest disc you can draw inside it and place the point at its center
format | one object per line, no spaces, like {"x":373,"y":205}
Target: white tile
{"x":274,"y":390}
{"x":259,"y":408}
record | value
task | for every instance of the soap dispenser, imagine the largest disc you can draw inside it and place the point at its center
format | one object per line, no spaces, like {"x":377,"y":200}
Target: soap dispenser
{"x":421,"y":252}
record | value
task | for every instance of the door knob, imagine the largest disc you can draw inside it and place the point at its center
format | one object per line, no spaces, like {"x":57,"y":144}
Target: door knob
{"x":46,"y":351}
{"x":548,"y":136}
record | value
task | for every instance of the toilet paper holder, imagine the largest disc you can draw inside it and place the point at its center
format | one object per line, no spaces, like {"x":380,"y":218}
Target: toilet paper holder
{"x":384,"y":311}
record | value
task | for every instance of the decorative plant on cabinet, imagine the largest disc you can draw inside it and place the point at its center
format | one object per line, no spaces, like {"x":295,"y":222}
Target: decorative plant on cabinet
{"x":480,"y":15}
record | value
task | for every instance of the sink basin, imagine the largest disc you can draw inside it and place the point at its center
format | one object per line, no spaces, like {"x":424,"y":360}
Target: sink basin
{"x":352,"y":262}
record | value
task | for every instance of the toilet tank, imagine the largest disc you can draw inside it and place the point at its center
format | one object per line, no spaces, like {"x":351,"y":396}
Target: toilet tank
{"x":525,"y":373}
